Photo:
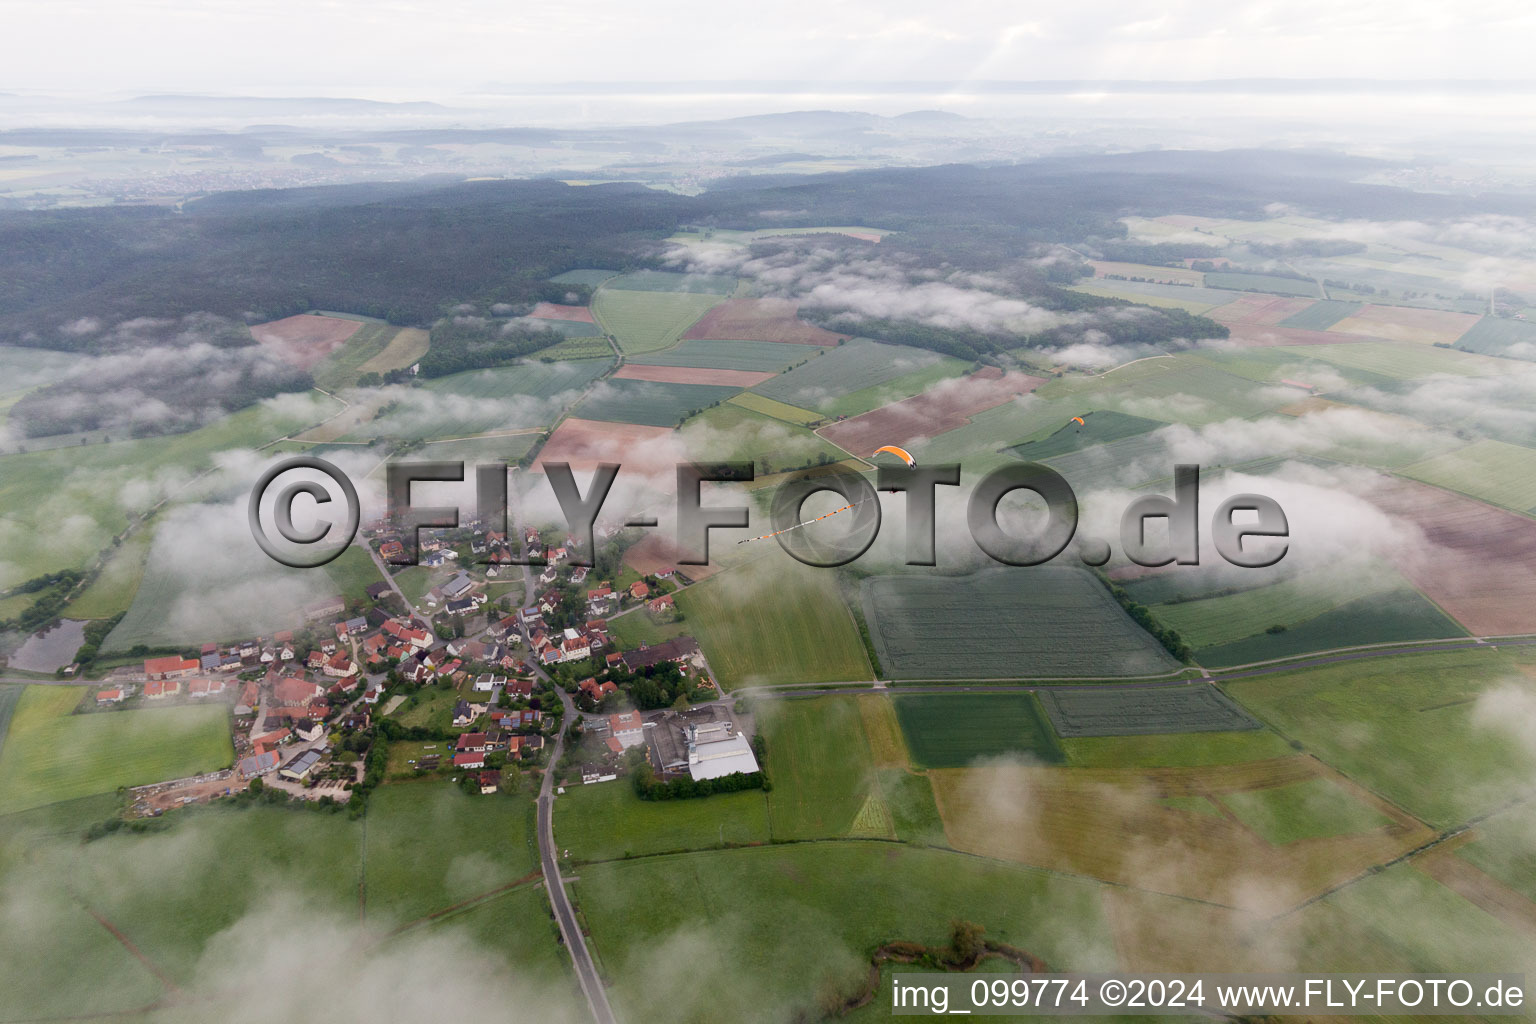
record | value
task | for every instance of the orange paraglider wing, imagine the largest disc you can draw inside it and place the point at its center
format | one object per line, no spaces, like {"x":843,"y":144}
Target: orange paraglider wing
{"x":1079,"y":421}
{"x":900,"y":453}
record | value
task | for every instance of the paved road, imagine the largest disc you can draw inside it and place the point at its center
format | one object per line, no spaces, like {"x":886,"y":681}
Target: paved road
{"x":1025,"y":685}
{"x":549,"y":854}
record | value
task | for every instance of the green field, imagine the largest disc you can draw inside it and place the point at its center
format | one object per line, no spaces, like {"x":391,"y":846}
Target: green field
{"x":589,"y":277}
{"x":23,"y":369}
{"x":9,"y":697}
{"x":567,"y":328}
{"x":1096,"y":428}
{"x":94,"y":488}
{"x":1046,"y":621}
{"x":864,"y":400}
{"x":833,"y":379}
{"x":776,"y":410}
{"x":952,"y":730}
{"x":341,"y":368}
{"x":774,"y":621}
{"x":1497,"y":336}
{"x":782,"y":925}
{"x":1403,"y":360}
{"x":353,"y":572}
{"x":650,"y":402}
{"x":414,"y":582}
{"x":644,"y":321}
{"x":113,"y":589}
{"x":738,"y":433}
{"x":1290,"y":601}
{"x":632,"y":629}
{"x":1169,"y":296}
{"x":1492,"y":471}
{"x":607,"y":821}
{"x":1174,"y":750}
{"x":596,"y":347}
{"x":763,"y":356}
{"x":1505,"y":848}
{"x":52,"y":755}
{"x":223,"y":897}
{"x":666,"y":281}
{"x":820,"y":764}
{"x":1268,"y":283}
{"x":1195,"y":707}
{"x":1403,"y":727}
{"x":1392,"y":616}
{"x":429,"y":846}
{"x":176,"y":605}
{"x":530,"y":394}
{"x":1303,"y":810}
{"x":1321,"y":315}
{"x":1451,"y":934}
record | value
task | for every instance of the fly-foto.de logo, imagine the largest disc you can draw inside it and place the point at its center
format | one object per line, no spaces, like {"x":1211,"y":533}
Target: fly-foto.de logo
{"x":1248,"y":530}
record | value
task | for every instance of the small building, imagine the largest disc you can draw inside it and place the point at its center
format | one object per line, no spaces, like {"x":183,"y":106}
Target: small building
{"x":469,"y":759}
{"x":489,"y":782}
{"x":259,"y":763}
{"x":591,"y":773}
{"x":299,"y":768}
{"x":113,"y":696}
{"x":171,"y":667}
{"x":628,"y":728}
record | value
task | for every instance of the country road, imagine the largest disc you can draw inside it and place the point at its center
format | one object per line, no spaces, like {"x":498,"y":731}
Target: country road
{"x":549,"y":854}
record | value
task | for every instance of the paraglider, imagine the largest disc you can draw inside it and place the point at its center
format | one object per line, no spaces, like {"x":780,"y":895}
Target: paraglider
{"x":1078,"y":420}
{"x":900,"y":453}
{"x":808,"y":522}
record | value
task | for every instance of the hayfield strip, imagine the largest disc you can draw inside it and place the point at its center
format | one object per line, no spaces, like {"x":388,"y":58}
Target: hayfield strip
{"x":1259,"y":309}
{"x":773,"y":320}
{"x":765,"y":356}
{"x":1405,"y":323}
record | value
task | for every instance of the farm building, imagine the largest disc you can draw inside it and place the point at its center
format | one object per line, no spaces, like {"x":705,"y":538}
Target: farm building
{"x":299,"y":768}
{"x":704,"y":742}
{"x":172,"y":667}
{"x":678,"y":649}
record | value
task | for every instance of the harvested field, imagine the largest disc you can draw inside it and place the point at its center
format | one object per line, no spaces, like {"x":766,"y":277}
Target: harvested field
{"x":883,"y":731}
{"x":555,"y":311}
{"x":1266,"y":335}
{"x":1034,"y":815}
{"x":304,"y":340}
{"x":585,"y":443}
{"x":776,"y":410}
{"x":1404,"y":323}
{"x":760,"y":320}
{"x":408,"y":345}
{"x":691,"y":375}
{"x":948,"y":405}
{"x":1258,"y":309}
{"x":1198,"y":707}
{"x":1477,"y":563}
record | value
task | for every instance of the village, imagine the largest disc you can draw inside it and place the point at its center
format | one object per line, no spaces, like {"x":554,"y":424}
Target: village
{"x":478,"y":689}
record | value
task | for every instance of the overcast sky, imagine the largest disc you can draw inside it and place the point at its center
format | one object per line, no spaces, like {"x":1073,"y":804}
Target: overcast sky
{"x":397,"y":48}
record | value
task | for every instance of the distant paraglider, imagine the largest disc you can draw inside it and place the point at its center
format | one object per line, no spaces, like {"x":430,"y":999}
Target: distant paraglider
{"x":1078,"y":420}
{"x":900,"y":453}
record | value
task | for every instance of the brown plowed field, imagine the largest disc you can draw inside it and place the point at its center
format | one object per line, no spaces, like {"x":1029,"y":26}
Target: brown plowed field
{"x":1266,"y":335}
{"x":585,"y":443}
{"x":554,"y":311}
{"x":759,"y":320}
{"x":944,"y":406}
{"x":692,"y":375}
{"x":305,"y":339}
{"x":1258,"y":309}
{"x":1477,"y":561}
{"x":657,"y":551}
